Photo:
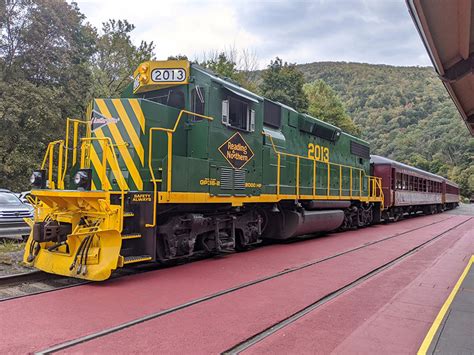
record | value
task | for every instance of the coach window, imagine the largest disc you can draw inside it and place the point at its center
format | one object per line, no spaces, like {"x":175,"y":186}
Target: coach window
{"x":238,"y":114}
{"x":424,"y":186}
{"x":398,"y":179}
{"x":410,"y":182}
{"x":404,"y":181}
{"x":197,"y":102}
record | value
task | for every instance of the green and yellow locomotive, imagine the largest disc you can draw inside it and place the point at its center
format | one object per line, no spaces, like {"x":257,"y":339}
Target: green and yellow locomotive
{"x":188,"y":163}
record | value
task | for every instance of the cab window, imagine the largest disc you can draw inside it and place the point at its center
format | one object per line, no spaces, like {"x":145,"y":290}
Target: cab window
{"x":170,"y":97}
{"x":197,"y":102}
{"x":238,"y":114}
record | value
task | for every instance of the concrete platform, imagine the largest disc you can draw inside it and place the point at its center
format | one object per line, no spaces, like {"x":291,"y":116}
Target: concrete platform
{"x":409,"y":293}
{"x":453,"y":328}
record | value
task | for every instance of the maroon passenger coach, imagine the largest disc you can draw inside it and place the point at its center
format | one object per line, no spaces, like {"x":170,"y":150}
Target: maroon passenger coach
{"x":411,"y":190}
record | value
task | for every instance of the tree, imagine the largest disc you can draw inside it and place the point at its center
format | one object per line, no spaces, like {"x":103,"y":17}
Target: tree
{"x":178,"y":57}
{"x":283,"y":82}
{"x":237,"y":66}
{"x":117,"y":57}
{"x":45,"y":48}
{"x":326,"y":105}
{"x":222,"y":64}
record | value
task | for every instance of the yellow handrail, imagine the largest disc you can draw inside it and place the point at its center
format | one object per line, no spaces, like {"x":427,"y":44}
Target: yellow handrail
{"x":49,"y":154}
{"x":169,"y":133}
{"x":105,"y":150}
{"x":370,"y":179}
{"x":76,"y":123}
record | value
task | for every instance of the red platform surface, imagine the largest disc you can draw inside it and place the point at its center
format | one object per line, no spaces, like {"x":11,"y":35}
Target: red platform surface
{"x":391,"y":313}
{"x":217,"y":325}
{"x":59,"y":316}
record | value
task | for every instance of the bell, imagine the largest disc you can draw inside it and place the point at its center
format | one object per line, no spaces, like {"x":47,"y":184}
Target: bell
{"x":275,"y":208}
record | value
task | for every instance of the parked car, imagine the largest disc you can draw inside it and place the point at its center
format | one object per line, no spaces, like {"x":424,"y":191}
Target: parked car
{"x":23,"y":196}
{"x":12,"y":212}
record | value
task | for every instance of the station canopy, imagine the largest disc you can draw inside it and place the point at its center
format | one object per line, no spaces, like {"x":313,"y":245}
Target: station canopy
{"x":447,"y":30}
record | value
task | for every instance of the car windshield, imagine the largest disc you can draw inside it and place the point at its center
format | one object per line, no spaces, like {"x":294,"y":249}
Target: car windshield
{"x":7,"y":198}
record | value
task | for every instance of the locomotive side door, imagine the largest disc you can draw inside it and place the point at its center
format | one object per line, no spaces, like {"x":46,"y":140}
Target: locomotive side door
{"x":235,"y":145}
{"x":197,"y":132}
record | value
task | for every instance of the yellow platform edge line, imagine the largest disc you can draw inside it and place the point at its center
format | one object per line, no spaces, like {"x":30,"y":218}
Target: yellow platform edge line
{"x":444,"y":309}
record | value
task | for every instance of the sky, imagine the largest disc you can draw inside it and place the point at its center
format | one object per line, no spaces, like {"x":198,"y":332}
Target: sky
{"x":369,"y":31}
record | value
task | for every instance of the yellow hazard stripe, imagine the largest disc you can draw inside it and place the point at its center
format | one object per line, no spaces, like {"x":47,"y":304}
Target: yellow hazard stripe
{"x":444,"y":309}
{"x":97,"y":164}
{"x":113,"y":164}
{"x":137,"y":144}
{"x":121,"y":146}
{"x":138,"y":112}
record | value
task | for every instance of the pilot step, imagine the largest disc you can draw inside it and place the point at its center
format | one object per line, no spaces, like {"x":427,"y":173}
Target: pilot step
{"x":136,"y":259}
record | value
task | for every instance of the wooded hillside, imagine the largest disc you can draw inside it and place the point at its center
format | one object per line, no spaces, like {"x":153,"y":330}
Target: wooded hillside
{"x":405,"y":113}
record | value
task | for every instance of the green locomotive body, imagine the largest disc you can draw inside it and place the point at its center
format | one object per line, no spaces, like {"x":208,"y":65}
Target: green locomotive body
{"x":185,"y":163}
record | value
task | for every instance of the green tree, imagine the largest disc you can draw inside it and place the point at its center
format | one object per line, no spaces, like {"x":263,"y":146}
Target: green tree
{"x":237,"y":66}
{"x":223,"y":65}
{"x":45,"y":48}
{"x":326,"y":105}
{"x":117,"y":57}
{"x":283,"y":82}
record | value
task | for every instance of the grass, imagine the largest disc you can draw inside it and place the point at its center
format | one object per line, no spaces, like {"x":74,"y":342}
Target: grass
{"x":10,"y":246}
{"x":7,"y":247}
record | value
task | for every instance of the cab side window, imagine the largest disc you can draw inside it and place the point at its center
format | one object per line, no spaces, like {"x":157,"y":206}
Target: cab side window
{"x":197,"y":102}
{"x":238,"y":114}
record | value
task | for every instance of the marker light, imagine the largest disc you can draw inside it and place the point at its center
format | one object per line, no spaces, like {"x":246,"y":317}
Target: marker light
{"x":143,"y":68}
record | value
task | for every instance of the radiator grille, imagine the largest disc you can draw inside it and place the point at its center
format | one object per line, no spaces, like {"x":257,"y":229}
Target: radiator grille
{"x":226,"y":178}
{"x":239,"y":179}
{"x":232,"y":179}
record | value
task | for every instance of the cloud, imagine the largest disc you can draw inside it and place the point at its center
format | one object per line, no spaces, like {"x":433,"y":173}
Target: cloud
{"x":370,"y":31}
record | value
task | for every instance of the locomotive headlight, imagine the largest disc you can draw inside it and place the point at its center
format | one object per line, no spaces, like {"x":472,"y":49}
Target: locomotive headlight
{"x":38,"y":179}
{"x":83,"y":179}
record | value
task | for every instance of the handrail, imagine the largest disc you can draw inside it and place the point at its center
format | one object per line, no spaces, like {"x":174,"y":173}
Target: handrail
{"x":105,"y":155}
{"x":49,"y":154}
{"x":76,"y":123}
{"x":105,"y":151}
{"x":169,"y":133}
{"x":372,"y":192}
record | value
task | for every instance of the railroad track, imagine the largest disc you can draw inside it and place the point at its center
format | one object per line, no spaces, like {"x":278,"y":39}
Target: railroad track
{"x":37,"y":282}
{"x":33,"y":283}
{"x":283,"y":323}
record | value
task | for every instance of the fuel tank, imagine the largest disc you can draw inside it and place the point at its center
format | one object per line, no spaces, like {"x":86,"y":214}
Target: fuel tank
{"x":288,"y":224}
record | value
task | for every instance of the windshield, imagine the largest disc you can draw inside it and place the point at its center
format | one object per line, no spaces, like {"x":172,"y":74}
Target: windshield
{"x":7,"y":198}
{"x":173,"y":97}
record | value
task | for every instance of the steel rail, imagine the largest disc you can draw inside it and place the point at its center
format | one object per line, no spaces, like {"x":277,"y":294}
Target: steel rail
{"x":92,"y":336}
{"x":33,"y":277}
{"x":40,"y":276}
{"x":6,"y":280}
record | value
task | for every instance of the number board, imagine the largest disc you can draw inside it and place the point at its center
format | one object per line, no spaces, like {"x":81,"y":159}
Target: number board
{"x":154,"y":75}
{"x":168,"y":75}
